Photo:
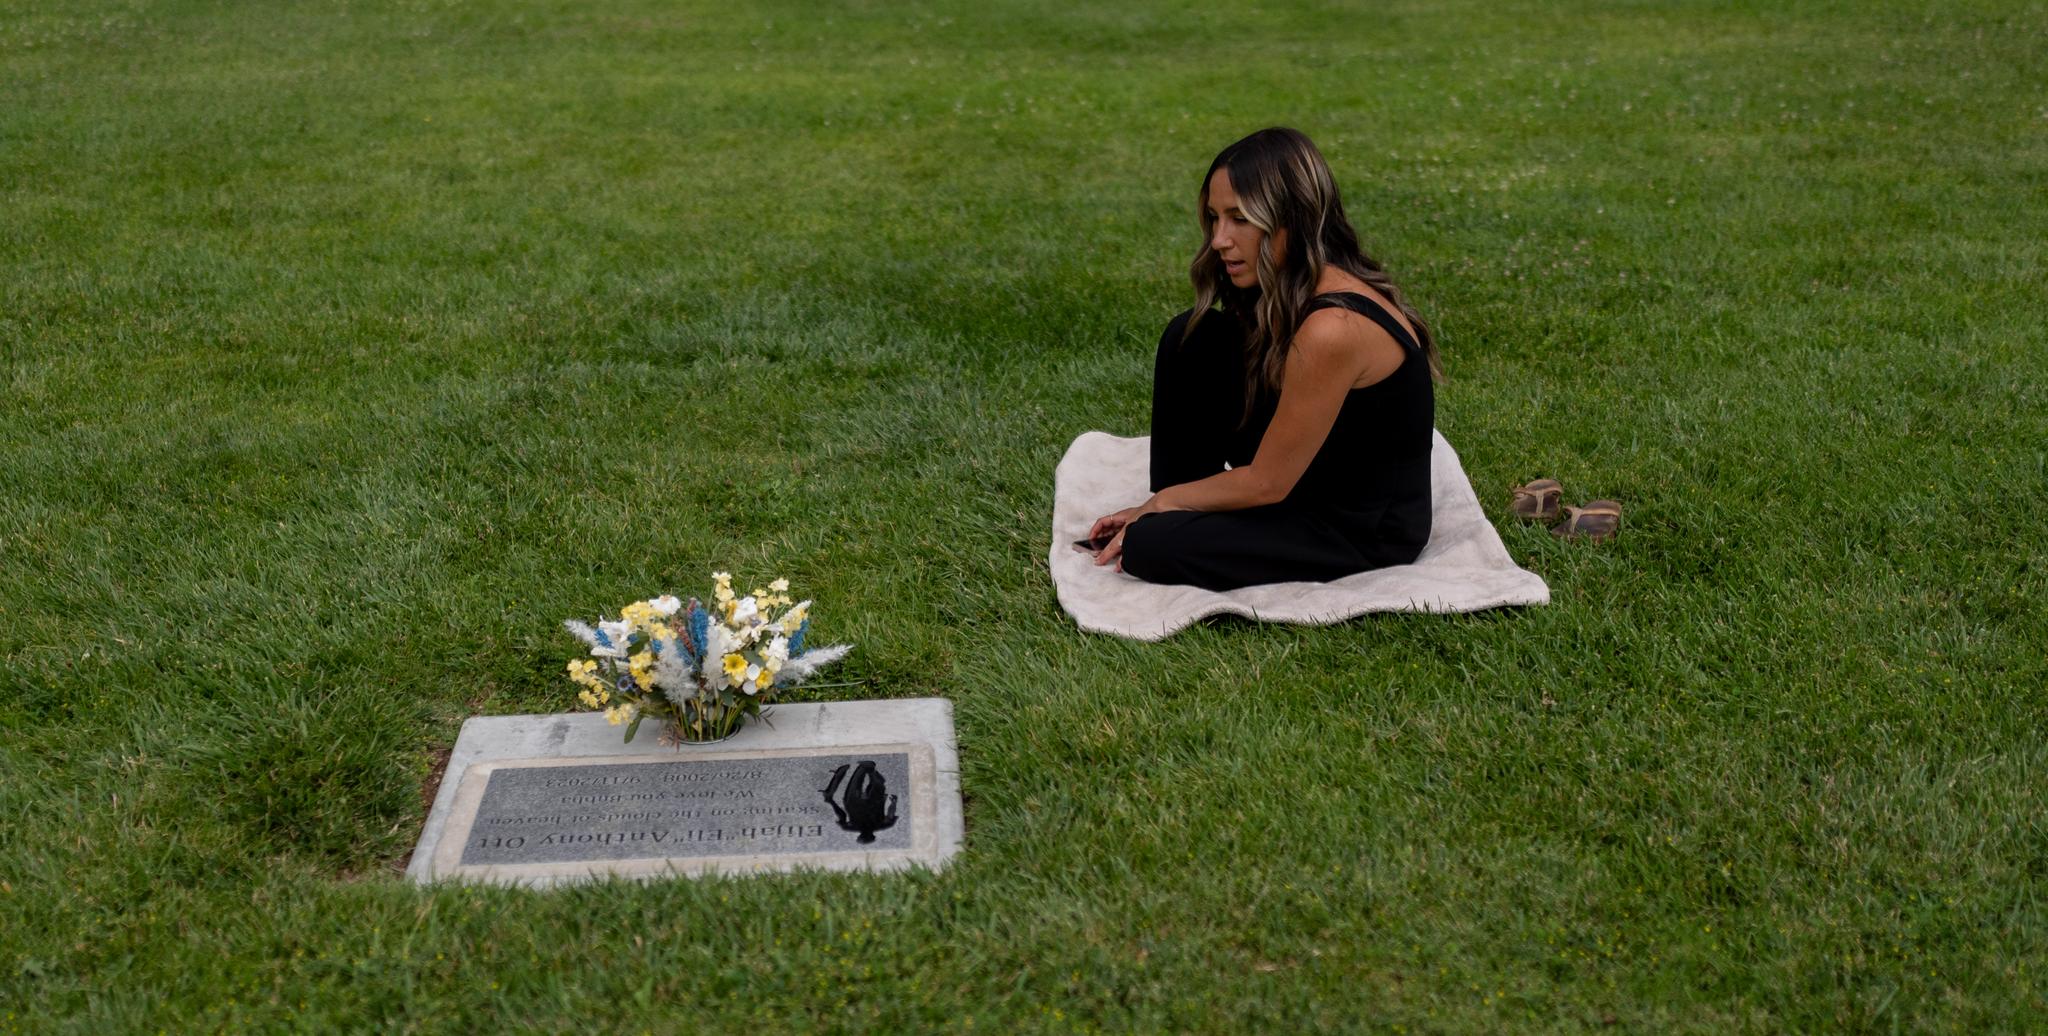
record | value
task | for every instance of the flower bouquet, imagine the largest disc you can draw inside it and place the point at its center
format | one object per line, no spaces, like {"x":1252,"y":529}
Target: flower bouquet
{"x":703,"y":670}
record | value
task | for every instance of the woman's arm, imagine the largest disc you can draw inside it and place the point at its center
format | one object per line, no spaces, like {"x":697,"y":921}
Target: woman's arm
{"x":1328,"y":358}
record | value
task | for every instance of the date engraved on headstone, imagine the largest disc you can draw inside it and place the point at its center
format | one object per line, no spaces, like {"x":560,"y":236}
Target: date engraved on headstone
{"x":674,"y":809}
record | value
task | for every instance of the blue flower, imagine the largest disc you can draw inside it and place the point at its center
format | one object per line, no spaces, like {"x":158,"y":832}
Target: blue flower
{"x":796,"y":640}
{"x":700,"y":630}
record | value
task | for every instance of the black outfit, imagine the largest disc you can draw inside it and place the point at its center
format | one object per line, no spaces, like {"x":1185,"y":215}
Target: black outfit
{"x":1363,"y":503}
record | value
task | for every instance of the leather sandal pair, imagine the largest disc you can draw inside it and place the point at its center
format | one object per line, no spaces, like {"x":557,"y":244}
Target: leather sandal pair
{"x":1538,"y":501}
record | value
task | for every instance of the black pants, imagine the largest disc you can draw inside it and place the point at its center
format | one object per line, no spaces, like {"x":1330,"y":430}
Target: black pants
{"x":1197,"y":398}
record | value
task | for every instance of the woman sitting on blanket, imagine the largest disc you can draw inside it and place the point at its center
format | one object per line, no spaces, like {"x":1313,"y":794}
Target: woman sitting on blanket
{"x":1291,"y":426}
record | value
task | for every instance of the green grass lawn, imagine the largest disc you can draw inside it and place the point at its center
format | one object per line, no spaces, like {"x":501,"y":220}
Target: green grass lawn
{"x":350,"y":347}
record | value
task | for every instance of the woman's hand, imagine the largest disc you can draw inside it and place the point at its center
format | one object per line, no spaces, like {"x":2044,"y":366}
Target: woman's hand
{"x":1112,"y":526}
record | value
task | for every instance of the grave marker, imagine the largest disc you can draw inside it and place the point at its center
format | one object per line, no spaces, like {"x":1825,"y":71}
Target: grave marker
{"x":798,"y":794}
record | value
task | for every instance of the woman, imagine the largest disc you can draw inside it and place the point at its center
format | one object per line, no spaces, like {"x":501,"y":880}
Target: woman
{"x":1291,"y":426}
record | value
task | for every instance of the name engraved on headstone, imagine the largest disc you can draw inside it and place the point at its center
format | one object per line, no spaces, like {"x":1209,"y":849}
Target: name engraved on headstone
{"x":669,"y":809}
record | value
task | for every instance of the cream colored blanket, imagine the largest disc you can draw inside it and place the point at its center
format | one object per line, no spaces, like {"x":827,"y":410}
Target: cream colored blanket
{"x":1465,"y":567}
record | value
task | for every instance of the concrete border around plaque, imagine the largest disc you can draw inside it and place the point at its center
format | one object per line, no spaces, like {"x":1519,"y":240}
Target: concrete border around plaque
{"x":674,"y":811}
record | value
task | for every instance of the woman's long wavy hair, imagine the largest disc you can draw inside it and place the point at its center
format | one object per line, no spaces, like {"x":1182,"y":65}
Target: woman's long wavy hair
{"x":1282,"y":183}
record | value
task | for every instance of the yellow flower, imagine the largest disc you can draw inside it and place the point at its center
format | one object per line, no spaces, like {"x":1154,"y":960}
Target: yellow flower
{"x":584,"y":673}
{"x":620,"y":714}
{"x":639,"y":614}
{"x":642,"y":668}
{"x":767,"y":677}
{"x":775,"y":596}
{"x":735,"y":666}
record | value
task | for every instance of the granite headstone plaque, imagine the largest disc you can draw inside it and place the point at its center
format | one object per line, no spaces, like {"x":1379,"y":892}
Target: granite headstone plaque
{"x":556,"y":813}
{"x":541,"y":800}
{"x":644,"y":815}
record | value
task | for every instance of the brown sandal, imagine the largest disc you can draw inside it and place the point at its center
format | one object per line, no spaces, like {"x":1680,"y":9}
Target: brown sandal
{"x":1537,"y":501}
{"x":1597,"y":522}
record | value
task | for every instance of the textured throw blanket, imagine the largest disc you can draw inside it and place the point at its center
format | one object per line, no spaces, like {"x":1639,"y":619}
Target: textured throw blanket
{"x":1465,"y":567}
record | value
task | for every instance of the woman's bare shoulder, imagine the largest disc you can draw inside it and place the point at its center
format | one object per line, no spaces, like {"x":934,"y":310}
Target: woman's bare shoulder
{"x":1344,"y":340}
{"x":1335,"y":280}
{"x":1334,"y":328}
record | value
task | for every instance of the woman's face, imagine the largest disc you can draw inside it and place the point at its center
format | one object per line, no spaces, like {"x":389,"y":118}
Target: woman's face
{"x":1235,"y":240}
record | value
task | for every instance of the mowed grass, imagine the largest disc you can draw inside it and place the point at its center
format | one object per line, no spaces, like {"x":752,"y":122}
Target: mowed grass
{"x":348,"y":348}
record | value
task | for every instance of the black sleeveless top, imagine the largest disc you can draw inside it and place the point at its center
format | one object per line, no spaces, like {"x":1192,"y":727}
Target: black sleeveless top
{"x":1370,"y":479}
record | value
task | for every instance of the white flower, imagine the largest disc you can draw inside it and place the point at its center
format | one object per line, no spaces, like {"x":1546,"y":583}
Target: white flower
{"x":753,"y":675}
{"x":745,"y":614}
{"x":777,"y":652}
{"x":666,"y":605}
{"x":674,"y":678}
{"x":615,"y":633}
{"x":718,"y":643}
